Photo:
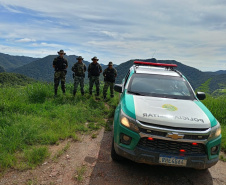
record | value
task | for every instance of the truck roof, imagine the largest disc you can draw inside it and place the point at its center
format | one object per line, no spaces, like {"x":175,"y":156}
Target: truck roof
{"x":155,"y":70}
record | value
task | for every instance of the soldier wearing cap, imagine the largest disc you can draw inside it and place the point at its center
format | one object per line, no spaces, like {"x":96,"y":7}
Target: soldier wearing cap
{"x":60,"y":65}
{"x":94,"y":71}
{"x":109,"y":74}
{"x":79,"y":70}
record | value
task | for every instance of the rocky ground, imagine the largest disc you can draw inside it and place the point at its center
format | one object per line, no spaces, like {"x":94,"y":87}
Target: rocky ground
{"x":88,"y":162}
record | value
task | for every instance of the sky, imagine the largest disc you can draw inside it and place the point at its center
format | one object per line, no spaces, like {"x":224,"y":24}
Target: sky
{"x":191,"y":32}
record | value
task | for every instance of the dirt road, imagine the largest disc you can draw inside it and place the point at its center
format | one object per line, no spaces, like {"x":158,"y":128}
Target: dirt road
{"x":89,"y":162}
{"x":128,"y":172}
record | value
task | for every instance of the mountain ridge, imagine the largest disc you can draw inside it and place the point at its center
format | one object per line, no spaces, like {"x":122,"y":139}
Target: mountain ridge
{"x":194,"y":76}
{"x":41,"y":69}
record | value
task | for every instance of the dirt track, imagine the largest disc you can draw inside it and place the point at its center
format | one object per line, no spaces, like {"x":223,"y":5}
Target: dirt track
{"x":94,"y":156}
{"x":128,"y":172}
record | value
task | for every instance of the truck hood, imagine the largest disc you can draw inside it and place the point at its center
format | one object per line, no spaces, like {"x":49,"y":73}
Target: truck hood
{"x":170,"y":112}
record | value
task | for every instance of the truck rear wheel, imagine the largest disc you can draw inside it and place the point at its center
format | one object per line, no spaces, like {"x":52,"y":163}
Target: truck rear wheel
{"x":114,"y":155}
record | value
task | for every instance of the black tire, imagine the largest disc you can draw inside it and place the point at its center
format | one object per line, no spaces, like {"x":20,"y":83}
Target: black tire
{"x":114,"y":155}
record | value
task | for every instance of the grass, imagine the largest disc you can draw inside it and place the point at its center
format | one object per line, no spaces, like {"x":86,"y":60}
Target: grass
{"x":31,"y":117}
{"x":61,"y":152}
{"x":94,"y":136}
{"x":222,"y":158}
{"x":80,"y":172}
{"x":217,"y":107}
{"x":36,"y":156}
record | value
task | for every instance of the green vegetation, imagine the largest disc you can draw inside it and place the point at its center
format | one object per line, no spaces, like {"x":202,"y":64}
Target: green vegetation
{"x":80,"y":172}
{"x":218,"y":108}
{"x":35,"y":156}
{"x":222,"y":158}
{"x":11,"y":62}
{"x":61,"y":152}
{"x":216,"y":103}
{"x":13,"y":79}
{"x":2,"y":69}
{"x":31,"y":119}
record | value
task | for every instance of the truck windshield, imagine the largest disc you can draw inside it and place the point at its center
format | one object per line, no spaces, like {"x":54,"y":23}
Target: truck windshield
{"x":160,"y":86}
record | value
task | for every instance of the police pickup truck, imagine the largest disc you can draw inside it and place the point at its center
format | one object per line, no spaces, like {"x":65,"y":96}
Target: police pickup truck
{"x":160,"y":120}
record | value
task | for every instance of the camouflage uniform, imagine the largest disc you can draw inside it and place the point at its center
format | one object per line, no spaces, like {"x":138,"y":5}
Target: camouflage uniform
{"x":60,"y":73}
{"x":79,"y":75}
{"x":109,"y":80}
{"x":94,"y":73}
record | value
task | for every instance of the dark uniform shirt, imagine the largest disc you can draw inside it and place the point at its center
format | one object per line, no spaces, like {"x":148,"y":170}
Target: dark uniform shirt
{"x":79,"y":69}
{"x":94,"y":69}
{"x":60,"y":63}
{"x":110,"y":74}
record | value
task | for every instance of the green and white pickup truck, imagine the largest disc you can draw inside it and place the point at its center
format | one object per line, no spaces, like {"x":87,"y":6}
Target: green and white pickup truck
{"x":160,"y":120}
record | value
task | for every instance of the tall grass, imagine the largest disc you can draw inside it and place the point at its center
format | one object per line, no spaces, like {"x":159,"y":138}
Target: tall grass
{"x":218,"y":108}
{"x":31,"y":116}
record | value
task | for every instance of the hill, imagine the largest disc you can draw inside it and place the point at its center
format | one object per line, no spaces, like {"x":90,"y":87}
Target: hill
{"x":2,"y":69}
{"x":42,"y":69}
{"x":13,"y":79}
{"x":221,"y":72}
{"x":194,"y":76}
{"x":9,"y":62}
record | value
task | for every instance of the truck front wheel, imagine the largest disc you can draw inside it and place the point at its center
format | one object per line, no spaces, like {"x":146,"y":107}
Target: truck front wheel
{"x":114,"y":155}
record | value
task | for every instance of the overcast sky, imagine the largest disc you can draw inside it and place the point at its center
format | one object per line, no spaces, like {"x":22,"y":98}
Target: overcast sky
{"x":192,"y":32}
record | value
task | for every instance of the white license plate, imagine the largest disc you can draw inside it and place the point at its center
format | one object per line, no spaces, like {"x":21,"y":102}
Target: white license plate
{"x":177,"y":161}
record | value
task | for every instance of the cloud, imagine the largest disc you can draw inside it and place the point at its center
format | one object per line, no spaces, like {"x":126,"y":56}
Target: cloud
{"x":192,"y":32}
{"x":26,"y":40}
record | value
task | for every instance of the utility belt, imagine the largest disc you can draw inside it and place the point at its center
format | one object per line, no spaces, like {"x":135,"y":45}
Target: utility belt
{"x":64,"y":70}
{"x":74,"y":75}
{"x":61,"y":70}
{"x":94,"y":75}
{"x":109,"y":80}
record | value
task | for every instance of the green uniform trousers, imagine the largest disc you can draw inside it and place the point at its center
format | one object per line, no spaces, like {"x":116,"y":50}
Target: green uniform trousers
{"x":59,"y":76}
{"x":79,"y":80}
{"x":94,"y":80}
{"x":106,"y":85}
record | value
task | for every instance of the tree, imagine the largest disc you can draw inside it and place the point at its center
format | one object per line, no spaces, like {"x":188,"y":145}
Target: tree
{"x":2,"y":69}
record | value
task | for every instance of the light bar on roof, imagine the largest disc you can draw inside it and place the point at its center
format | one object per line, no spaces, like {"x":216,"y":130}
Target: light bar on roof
{"x":154,"y":64}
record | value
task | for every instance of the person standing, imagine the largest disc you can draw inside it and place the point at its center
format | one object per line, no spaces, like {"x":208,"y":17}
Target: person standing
{"x":94,"y":71}
{"x":109,"y":74}
{"x":60,"y":65}
{"x":79,"y":70}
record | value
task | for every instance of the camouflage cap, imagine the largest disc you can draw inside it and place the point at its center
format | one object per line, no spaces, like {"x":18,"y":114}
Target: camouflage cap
{"x":80,"y":57}
{"x":94,"y":58}
{"x":61,"y":51}
{"x":110,"y":63}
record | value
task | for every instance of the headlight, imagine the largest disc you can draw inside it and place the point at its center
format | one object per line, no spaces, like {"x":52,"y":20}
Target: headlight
{"x":215,"y":131}
{"x":128,"y":122}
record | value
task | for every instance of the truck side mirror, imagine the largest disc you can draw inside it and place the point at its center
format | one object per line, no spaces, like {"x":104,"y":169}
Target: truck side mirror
{"x":201,"y":95}
{"x":118,"y":88}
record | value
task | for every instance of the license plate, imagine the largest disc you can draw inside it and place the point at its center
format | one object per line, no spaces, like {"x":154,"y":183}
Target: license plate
{"x":177,"y":161}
